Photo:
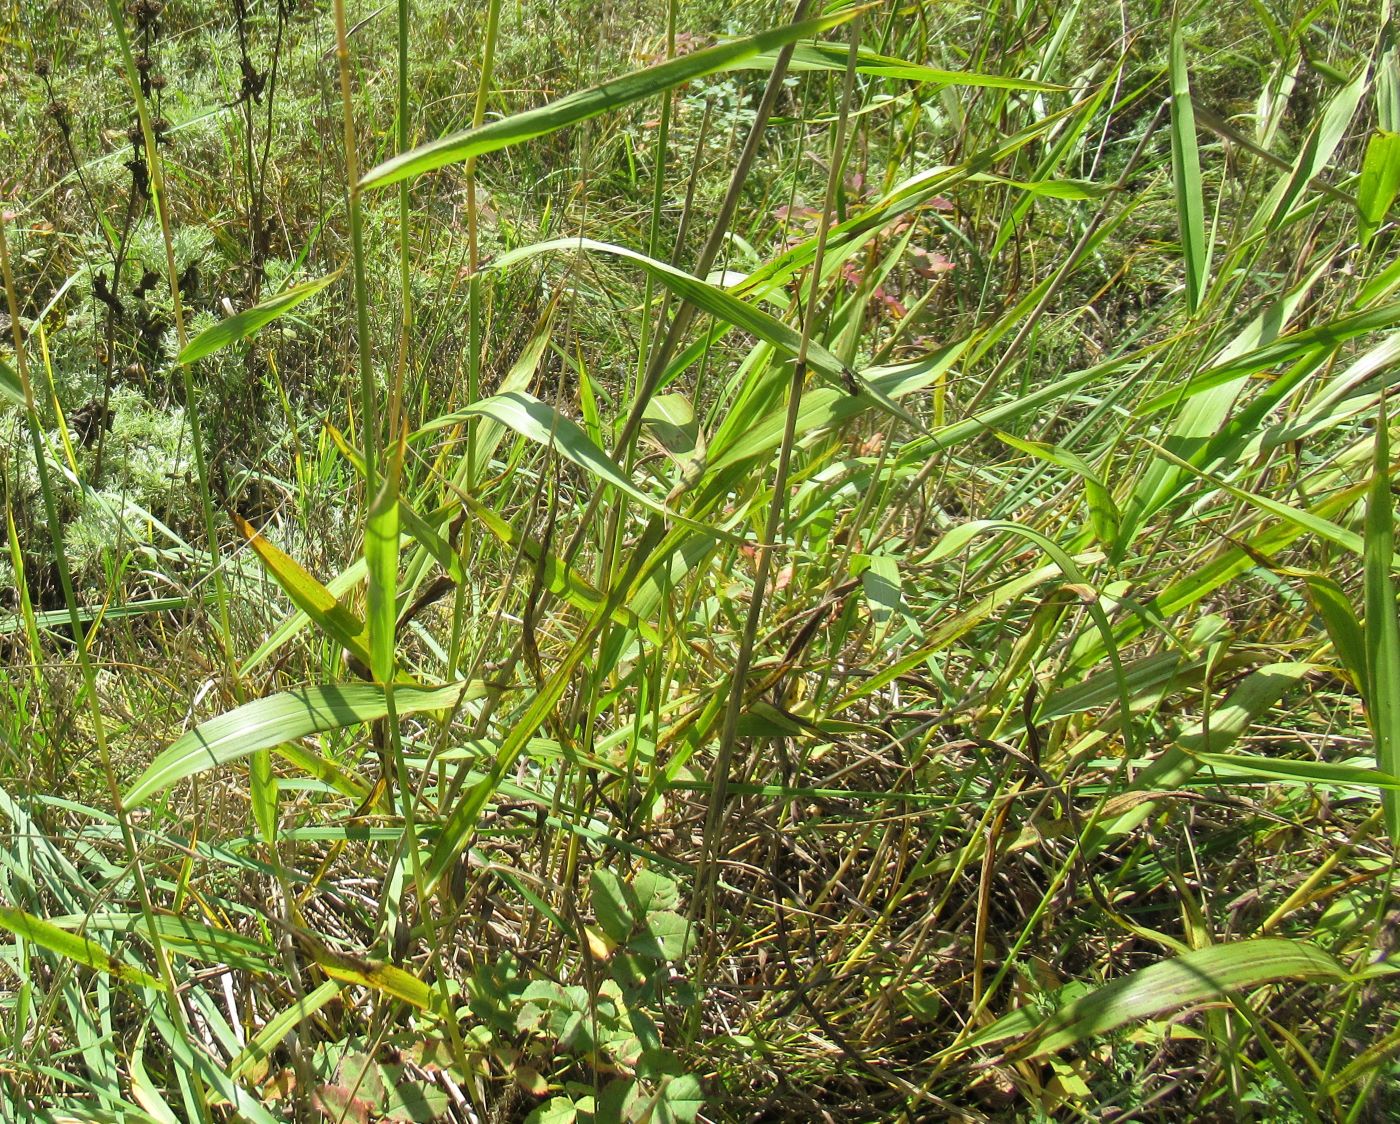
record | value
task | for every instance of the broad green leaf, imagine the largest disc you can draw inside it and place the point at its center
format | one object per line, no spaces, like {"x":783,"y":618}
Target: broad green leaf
{"x":655,"y":892}
{"x":1200,"y":976}
{"x":244,"y":324}
{"x":1379,"y":184}
{"x":267,"y":722}
{"x":79,"y":949}
{"x":665,"y":935}
{"x":614,"y":904}
{"x":556,"y":1110}
{"x":669,"y":419}
{"x":586,"y":104}
{"x":726,"y":306}
{"x":1382,"y":629}
{"x":883,"y":587}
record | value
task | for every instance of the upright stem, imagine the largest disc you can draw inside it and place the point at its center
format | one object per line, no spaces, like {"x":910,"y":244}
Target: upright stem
{"x":488,"y":56}
{"x":706,"y":873}
{"x":405,"y":291}
{"x":368,"y":412}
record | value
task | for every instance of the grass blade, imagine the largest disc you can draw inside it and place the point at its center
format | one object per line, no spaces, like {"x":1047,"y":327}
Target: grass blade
{"x":1196,"y":977}
{"x":1382,"y":627}
{"x":1186,"y":178}
{"x":245,"y":323}
{"x":585,"y":104}
{"x":267,"y":722}
{"x":79,"y":949}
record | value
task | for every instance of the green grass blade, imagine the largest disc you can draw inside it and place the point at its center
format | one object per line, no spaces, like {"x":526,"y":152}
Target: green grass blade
{"x":543,"y":424}
{"x":1186,"y":178}
{"x":832,"y":57}
{"x":267,"y":722}
{"x":11,"y":389}
{"x":718,"y":302}
{"x":585,"y":104}
{"x":308,"y":594}
{"x":1379,"y":184}
{"x":1196,"y":977}
{"x":1382,"y":627}
{"x":382,"y":565}
{"x":244,"y":324}
{"x":79,"y":949}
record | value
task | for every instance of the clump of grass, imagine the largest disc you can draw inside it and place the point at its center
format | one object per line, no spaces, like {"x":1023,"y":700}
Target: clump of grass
{"x":845,"y":572}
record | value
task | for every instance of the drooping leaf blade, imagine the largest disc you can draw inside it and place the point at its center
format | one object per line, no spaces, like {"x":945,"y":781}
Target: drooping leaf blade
{"x":586,"y":104}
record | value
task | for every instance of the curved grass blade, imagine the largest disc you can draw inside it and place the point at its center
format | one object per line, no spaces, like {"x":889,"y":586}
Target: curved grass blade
{"x":542,"y":423}
{"x":586,"y":104}
{"x":268,"y":722}
{"x":726,"y":306}
{"x":1199,"y":976}
{"x":245,"y":323}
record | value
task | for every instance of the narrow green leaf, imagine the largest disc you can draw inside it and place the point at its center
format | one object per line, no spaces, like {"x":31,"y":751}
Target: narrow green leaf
{"x":11,"y":388}
{"x":382,"y":566}
{"x":1186,"y":178}
{"x":1286,"y":771}
{"x":267,"y":722}
{"x":244,"y":324}
{"x":280,"y":1025}
{"x":833,"y":57}
{"x":79,"y":949}
{"x":1382,"y":628}
{"x":1199,"y":976}
{"x":585,"y":104}
{"x":614,"y":905}
{"x":1103,"y":512}
{"x":542,"y":423}
{"x":308,"y":594}
{"x":1281,"y":352}
{"x":1344,"y":630}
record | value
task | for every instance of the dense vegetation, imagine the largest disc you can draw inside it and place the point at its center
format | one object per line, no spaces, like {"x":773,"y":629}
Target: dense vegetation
{"x":699,"y":561}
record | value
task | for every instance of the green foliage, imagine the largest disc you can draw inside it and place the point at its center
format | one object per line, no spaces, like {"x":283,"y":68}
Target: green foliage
{"x":855,"y":579}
